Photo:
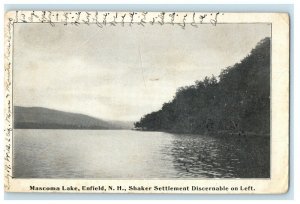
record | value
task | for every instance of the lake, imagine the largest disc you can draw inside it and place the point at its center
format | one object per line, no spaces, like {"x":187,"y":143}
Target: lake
{"x":136,"y":154}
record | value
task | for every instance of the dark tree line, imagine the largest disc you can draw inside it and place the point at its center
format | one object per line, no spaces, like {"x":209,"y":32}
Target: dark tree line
{"x":237,"y":102}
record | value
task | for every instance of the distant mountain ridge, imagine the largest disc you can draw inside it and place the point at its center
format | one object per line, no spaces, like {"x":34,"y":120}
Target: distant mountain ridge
{"x":45,"y":118}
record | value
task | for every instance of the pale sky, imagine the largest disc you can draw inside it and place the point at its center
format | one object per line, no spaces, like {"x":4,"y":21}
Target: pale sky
{"x":121,"y":73}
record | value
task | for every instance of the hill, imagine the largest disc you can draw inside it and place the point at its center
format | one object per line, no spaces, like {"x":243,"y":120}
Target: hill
{"x":44,"y":118}
{"x":237,"y":102}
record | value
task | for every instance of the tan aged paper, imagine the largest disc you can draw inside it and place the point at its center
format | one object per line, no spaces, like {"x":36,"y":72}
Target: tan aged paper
{"x":146,"y":102}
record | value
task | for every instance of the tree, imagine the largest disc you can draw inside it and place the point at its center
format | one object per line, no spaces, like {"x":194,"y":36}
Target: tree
{"x":238,"y":101}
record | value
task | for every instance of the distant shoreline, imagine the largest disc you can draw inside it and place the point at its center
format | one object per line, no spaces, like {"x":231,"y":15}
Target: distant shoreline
{"x":45,"y":118}
{"x":218,"y":134}
{"x":65,"y":129}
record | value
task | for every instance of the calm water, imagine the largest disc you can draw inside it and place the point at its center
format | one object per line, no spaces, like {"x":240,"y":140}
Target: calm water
{"x":135,"y":154}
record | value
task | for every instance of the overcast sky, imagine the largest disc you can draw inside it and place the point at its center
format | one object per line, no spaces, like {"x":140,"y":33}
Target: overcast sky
{"x":121,"y":73}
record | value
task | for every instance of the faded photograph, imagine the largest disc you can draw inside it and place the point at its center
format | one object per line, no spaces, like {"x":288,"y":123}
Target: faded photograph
{"x":141,"y":102}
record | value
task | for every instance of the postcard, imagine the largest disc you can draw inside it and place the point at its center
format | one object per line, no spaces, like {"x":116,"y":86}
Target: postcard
{"x":146,"y":102}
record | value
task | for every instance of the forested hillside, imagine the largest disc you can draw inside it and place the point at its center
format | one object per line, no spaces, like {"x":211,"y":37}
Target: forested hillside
{"x":237,"y":102}
{"x":45,"y":118}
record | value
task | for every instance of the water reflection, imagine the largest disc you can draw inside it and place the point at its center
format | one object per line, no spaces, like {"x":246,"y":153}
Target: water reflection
{"x":197,"y":156}
{"x":137,"y":155}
